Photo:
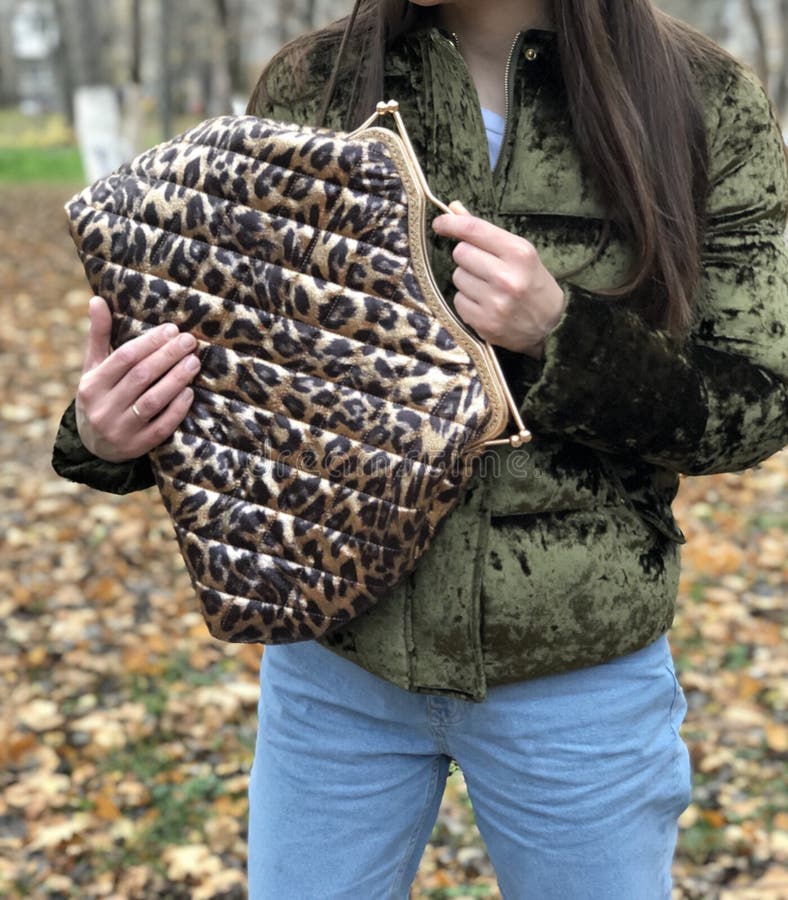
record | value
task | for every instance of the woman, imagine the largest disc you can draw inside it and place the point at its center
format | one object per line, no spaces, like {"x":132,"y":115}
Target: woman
{"x":628,"y":193}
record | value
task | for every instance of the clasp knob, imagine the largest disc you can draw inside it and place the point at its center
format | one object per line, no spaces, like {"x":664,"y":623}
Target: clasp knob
{"x":386,"y":109}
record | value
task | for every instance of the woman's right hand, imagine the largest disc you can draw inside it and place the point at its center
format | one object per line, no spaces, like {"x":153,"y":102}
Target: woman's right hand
{"x":131,"y":399}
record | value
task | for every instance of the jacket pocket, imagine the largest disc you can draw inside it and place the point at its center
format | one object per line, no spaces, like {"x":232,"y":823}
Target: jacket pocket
{"x":545,"y":476}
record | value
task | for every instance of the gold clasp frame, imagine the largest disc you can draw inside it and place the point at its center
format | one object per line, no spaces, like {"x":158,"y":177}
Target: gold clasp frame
{"x":391,"y":108}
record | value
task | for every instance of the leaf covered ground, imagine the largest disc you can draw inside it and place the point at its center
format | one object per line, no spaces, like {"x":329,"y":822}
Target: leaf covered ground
{"x":126,"y":732}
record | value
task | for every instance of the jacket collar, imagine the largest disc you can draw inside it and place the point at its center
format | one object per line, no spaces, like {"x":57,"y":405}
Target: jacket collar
{"x":541,"y":40}
{"x":537,"y":49}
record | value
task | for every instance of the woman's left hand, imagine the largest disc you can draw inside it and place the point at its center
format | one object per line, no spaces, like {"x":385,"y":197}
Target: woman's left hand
{"x":504,"y":292}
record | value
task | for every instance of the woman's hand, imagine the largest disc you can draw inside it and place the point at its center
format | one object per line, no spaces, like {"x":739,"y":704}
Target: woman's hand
{"x":503,"y":291}
{"x":131,"y":399}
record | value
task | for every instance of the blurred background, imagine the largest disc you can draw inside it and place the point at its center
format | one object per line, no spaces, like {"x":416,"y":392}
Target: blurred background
{"x":126,"y":732}
{"x":109,"y":78}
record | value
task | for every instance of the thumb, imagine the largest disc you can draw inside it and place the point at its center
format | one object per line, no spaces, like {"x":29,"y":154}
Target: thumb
{"x":98,"y":347}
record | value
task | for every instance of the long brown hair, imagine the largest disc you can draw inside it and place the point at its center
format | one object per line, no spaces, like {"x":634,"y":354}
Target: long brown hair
{"x":634,"y":106}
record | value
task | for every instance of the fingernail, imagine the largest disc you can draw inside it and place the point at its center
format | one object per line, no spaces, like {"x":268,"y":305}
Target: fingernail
{"x":192,"y":364}
{"x":186,"y":341}
{"x":170,"y":330}
{"x":456,"y":206}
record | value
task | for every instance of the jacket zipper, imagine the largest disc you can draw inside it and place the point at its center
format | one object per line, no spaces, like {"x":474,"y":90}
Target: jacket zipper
{"x":507,"y":86}
{"x":508,"y":107}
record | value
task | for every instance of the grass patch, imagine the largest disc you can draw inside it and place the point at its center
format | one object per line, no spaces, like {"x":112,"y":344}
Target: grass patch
{"x":181,"y":809}
{"x":42,"y":130}
{"x":701,"y":842}
{"x":177,"y":815}
{"x":148,"y":760}
{"x":765,"y":521}
{"x":24,"y":165}
{"x":737,"y":657}
{"x":478,"y":890}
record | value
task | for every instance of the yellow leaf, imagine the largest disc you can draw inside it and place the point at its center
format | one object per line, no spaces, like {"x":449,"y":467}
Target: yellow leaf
{"x":62,"y":832}
{"x":772,"y":553}
{"x":41,"y":715}
{"x":105,"y":808}
{"x":37,"y":656}
{"x":229,"y":806}
{"x":251,"y":654}
{"x":219,"y":885}
{"x":713,"y":817}
{"x":776,"y":736}
{"x":192,"y":862}
{"x":689,"y":817}
{"x":138,"y":660}
{"x":105,"y":590}
{"x":715,"y":557}
{"x":720,"y":595}
{"x":17,"y":748}
{"x":715,"y":760}
{"x":748,"y":687}
{"x":781,"y":821}
{"x":442,"y":879}
{"x":222,"y":833}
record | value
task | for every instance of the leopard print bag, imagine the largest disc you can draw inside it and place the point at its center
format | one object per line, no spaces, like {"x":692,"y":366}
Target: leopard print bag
{"x":340,"y":402}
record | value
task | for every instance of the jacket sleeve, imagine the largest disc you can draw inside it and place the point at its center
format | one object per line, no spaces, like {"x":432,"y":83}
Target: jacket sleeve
{"x":717,"y":401}
{"x":72,"y":460}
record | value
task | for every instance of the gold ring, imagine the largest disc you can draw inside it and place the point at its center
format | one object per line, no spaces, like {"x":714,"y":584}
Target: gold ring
{"x":136,"y":412}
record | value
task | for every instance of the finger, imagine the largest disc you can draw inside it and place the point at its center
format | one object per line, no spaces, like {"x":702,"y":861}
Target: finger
{"x":157,"y":398}
{"x":477,"y":290}
{"x":133,"y":353}
{"x":478,"y":262}
{"x":470,"y":312}
{"x":98,"y":346}
{"x":165,"y":423}
{"x":145,"y":373}
{"x":475,"y":231}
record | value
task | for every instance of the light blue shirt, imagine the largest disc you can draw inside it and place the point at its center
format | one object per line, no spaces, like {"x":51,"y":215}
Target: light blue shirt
{"x":494,"y":125}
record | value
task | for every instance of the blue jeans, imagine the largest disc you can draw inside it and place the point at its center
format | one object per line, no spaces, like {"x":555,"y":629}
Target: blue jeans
{"x":576,"y":780}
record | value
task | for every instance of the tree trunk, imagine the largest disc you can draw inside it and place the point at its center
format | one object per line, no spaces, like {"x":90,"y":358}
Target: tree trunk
{"x":284,"y":30}
{"x":755,"y":16}
{"x":165,"y":14}
{"x":93,"y":59}
{"x":781,"y":91}
{"x":135,"y":73}
{"x":220,"y":98}
{"x":66,"y":80}
{"x":229,"y":16}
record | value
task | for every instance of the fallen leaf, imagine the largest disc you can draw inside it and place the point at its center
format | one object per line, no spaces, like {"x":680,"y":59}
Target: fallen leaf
{"x":776,"y":736}
{"x":191,"y":863}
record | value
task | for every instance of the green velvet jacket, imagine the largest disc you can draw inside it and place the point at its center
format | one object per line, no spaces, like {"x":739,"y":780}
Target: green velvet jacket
{"x":566,"y":554}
